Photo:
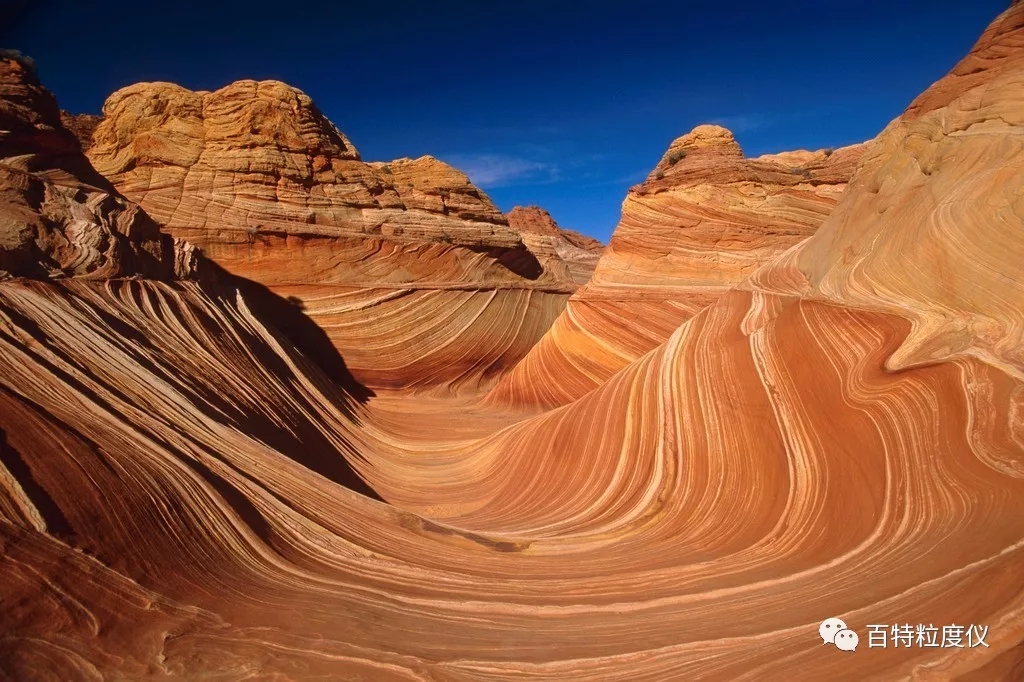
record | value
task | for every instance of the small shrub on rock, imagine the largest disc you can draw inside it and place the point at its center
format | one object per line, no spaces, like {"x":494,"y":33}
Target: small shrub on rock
{"x":17,"y":56}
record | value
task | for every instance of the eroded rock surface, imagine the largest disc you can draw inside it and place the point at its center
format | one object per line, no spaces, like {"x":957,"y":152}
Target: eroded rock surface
{"x":255,"y":176}
{"x":571,"y":254}
{"x":704,"y":220}
{"x":185,"y":492}
{"x":81,"y":126}
{"x":58,"y":217}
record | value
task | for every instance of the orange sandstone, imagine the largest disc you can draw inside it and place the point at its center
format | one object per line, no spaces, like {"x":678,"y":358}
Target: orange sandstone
{"x":185,"y":492}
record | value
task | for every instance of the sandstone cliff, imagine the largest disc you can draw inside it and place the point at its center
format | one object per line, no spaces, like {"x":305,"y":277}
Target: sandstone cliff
{"x":960,"y":239}
{"x":705,"y":219}
{"x":257,"y":160}
{"x":571,"y":254}
{"x":257,"y":177}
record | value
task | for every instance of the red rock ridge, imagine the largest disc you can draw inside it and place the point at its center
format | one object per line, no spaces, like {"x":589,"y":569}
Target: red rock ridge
{"x":259,"y":158}
{"x":558,"y":249}
{"x":704,"y":220}
{"x":81,"y":126}
{"x":267,"y":187}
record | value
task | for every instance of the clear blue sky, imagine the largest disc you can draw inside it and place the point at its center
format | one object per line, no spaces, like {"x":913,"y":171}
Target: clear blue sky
{"x":560,"y":104}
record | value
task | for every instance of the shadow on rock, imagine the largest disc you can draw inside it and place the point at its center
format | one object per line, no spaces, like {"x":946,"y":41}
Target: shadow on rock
{"x":520,"y":261}
{"x":297,"y":332}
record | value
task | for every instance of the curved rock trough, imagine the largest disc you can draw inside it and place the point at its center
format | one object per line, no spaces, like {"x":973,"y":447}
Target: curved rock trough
{"x":268,"y":411}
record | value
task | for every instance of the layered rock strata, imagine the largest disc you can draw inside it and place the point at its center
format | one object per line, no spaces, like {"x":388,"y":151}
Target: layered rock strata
{"x":704,"y":220}
{"x":255,"y":176}
{"x":58,"y":217}
{"x":841,"y":435}
{"x":573,"y":255}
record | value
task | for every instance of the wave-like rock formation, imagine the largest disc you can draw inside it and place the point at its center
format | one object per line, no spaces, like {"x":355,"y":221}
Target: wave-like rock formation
{"x":703,"y":221}
{"x":255,"y":176}
{"x":187,"y":492}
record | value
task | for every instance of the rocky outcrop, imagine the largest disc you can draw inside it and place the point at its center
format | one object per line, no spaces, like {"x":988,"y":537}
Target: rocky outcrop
{"x":707,"y":217}
{"x":258,"y":159}
{"x":58,"y":217}
{"x":257,"y":177}
{"x":535,"y":221}
{"x":704,"y":220}
{"x":81,"y":126}
{"x":571,"y":254}
{"x":932,"y":231}
{"x":185,"y":493}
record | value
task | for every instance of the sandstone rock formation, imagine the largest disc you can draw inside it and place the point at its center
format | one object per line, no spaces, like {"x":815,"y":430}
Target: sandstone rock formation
{"x":81,"y":126}
{"x":255,"y":176}
{"x":839,"y":435}
{"x":258,"y":159}
{"x":961,"y":238}
{"x":703,"y":221}
{"x":571,"y":254}
{"x":58,"y":217}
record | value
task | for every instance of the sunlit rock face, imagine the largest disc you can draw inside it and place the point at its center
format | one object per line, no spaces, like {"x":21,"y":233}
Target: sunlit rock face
{"x":945,"y":185}
{"x":571,"y":254}
{"x":704,"y":220}
{"x":404,"y":251}
{"x":191,"y":488}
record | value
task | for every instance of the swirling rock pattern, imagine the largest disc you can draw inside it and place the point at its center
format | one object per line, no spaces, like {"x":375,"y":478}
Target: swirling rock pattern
{"x":703,"y":221}
{"x":961,"y":238}
{"x":255,"y":176}
{"x":183,"y":490}
{"x":58,"y":217}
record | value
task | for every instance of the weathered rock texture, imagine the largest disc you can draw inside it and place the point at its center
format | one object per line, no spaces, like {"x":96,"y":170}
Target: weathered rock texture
{"x":571,"y":254}
{"x":255,"y":176}
{"x":81,"y":126}
{"x":259,"y":156}
{"x":841,"y":435}
{"x":58,"y":217}
{"x":703,"y":221}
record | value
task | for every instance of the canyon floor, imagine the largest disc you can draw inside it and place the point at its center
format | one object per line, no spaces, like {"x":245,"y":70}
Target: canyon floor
{"x":269,"y":411}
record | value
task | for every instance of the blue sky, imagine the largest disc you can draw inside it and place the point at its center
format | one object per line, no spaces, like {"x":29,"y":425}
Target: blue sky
{"x":556,"y":103}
